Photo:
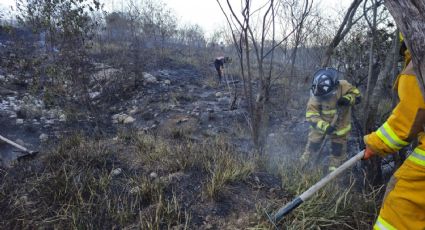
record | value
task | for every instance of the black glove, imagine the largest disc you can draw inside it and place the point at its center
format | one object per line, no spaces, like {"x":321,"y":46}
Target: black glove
{"x":358,"y":100}
{"x":330,"y":130}
{"x":343,"y":101}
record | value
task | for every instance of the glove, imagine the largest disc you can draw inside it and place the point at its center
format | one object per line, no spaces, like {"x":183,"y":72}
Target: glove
{"x":358,"y":100}
{"x":344,"y":101}
{"x":368,"y":153}
{"x":330,"y":130}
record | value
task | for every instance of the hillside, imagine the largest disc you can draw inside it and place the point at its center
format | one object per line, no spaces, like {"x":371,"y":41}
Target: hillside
{"x":132,"y":129}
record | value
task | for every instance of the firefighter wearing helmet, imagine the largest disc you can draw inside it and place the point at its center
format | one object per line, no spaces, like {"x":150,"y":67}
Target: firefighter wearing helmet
{"x":329,"y":96}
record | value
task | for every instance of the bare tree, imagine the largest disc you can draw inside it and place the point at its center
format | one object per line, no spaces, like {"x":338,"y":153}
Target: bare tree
{"x":256,"y":55}
{"x":371,"y":79}
{"x":343,"y":30}
{"x":192,"y":37}
{"x":68,"y":30}
{"x":383,"y":83}
{"x":298,"y":14}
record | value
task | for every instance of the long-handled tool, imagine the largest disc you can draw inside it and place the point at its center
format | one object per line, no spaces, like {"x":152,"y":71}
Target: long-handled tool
{"x":313,"y":189}
{"x":28,"y":152}
{"x":325,"y":140}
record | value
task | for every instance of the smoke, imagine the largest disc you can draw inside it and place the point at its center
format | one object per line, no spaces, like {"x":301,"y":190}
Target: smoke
{"x":286,"y":142}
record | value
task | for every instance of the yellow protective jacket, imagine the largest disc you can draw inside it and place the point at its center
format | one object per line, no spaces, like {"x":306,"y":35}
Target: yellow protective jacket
{"x":404,"y":204}
{"x":406,"y":121}
{"x":320,"y":112}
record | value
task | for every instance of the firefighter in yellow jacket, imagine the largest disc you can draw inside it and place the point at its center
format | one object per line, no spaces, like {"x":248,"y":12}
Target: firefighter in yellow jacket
{"x":329,"y":96}
{"x":404,"y":202}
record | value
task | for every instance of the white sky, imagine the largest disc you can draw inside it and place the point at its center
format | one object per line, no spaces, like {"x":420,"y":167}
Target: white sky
{"x":6,"y":3}
{"x":206,"y":13}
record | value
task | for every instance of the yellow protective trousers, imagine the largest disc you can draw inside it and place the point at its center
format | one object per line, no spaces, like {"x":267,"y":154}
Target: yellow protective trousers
{"x":404,"y":203}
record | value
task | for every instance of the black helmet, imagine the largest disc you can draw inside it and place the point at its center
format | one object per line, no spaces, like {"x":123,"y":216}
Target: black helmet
{"x":325,"y":81}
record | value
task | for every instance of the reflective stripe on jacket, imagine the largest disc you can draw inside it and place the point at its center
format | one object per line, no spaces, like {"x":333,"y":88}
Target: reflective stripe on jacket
{"x":406,"y":121}
{"x":404,"y":202}
{"x":320,"y":112}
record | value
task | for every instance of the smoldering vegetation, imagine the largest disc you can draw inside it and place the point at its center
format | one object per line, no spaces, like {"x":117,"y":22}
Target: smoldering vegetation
{"x":145,"y":181}
{"x":135,"y":132}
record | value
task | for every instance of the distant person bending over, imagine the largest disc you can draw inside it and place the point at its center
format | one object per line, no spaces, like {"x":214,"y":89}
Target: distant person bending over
{"x":219,"y":66}
{"x":329,"y":97}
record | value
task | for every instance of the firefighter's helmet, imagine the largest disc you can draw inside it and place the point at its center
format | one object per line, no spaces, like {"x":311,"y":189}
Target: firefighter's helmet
{"x":325,"y":82}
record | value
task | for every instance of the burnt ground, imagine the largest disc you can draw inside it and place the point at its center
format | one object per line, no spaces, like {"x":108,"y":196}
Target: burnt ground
{"x":184,"y":103}
{"x":236,"y":205}
{"x":176,"y":104}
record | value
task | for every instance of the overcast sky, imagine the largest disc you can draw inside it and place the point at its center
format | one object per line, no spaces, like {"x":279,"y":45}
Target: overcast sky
{"x":206,"y":13}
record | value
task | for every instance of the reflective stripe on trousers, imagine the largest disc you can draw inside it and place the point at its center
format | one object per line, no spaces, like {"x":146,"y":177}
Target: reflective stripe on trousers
{"x":381,"y":224}
{"x":329,"y":112}
{"x":339,"y":133}
{"x":343,"y":131}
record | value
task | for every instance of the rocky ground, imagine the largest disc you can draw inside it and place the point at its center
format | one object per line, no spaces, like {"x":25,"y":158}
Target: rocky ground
{"x":170,"y":102}
{"x":178,"y":105}
{"x":169,"y":149}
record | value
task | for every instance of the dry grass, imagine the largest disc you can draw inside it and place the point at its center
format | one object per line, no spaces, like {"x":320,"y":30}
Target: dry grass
{"x":218,"y":160}
{"x":74,"y":186}
{"x":165,"y":210}
{"x":339,"y":205}
{"x":179,"y":127}
{"x":107,"y":184}
{"x":225,"y":167}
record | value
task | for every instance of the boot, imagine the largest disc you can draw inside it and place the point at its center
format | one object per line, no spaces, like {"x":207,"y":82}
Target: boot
{"x":337,"y":156}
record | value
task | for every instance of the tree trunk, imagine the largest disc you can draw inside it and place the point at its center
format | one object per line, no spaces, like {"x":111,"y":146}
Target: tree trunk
{"x":382,"y":84}
{"x":293,"y":59}
{"x":370,"y":77}
{"x":410,"y":18}
{"x":395,"y":71}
